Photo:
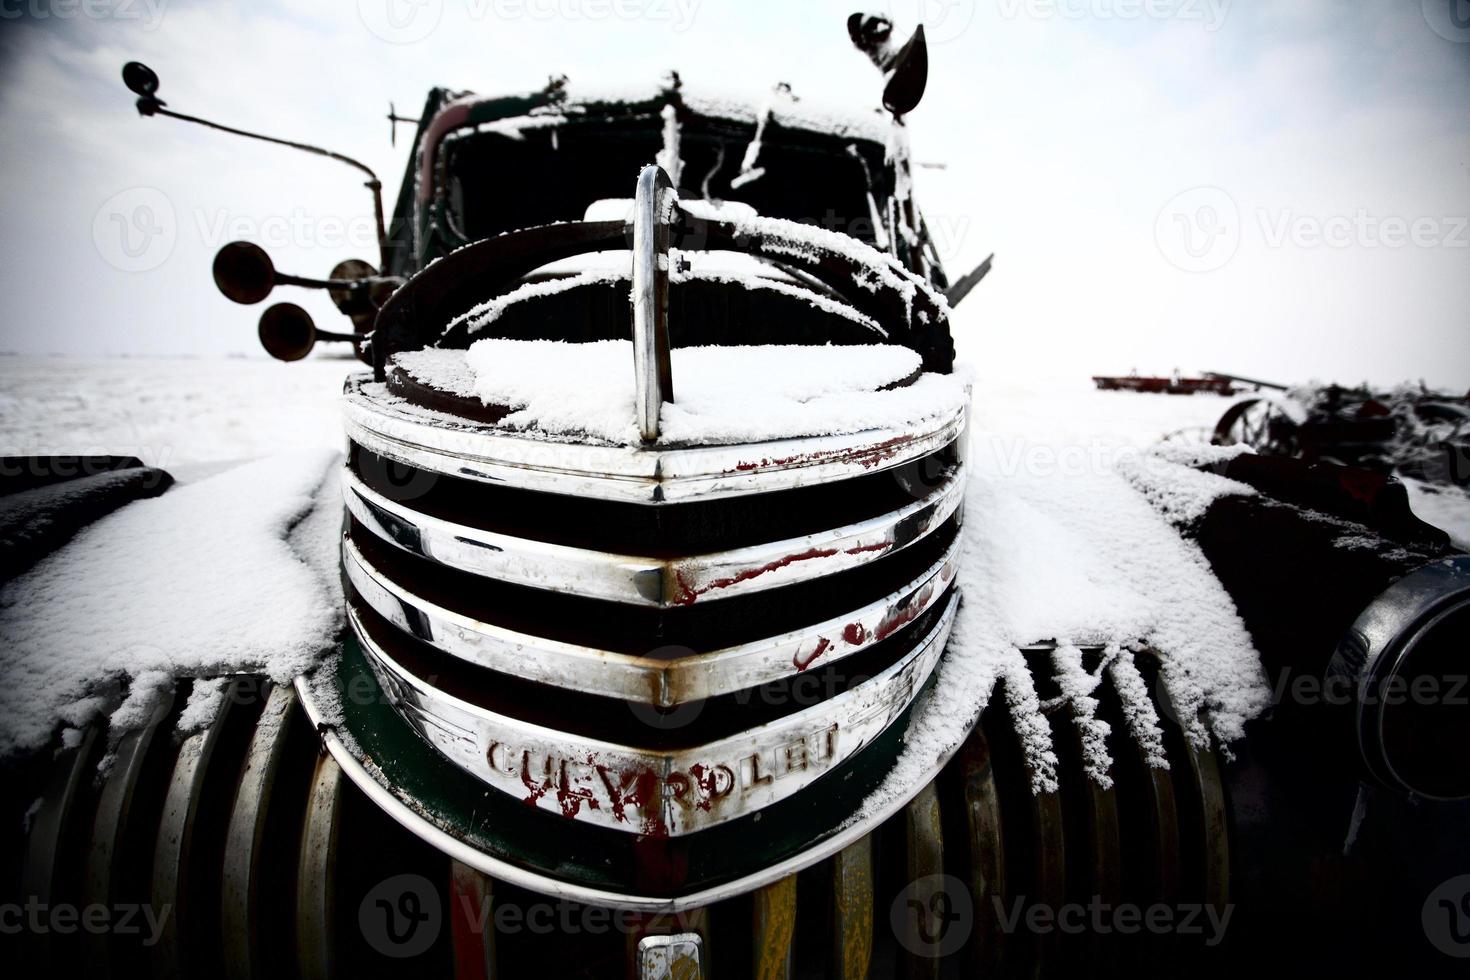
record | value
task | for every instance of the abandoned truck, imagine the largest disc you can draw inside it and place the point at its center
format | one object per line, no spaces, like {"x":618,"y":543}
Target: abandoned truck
{"x":659,"y":673}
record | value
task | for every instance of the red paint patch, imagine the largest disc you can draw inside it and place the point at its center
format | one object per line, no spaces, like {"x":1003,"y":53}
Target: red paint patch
{"x":537,"y":790}
{"x":688,"y":594}
{"x":900,"y":618}
{"x":625,"y":787}
{"x":802,"y":663}
{"x":872,"y":456}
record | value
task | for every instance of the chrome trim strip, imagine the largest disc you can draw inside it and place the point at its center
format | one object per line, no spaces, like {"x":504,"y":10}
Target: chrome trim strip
{"x":663,"y":793}
{"x":653,"y":376}
{"x":767,"y":566}
{"x":368,"y":778}
{"x":522,"y":561}
{"x":646,"y":680}
{"x":651,"y":581}
{"x":385,"y":424}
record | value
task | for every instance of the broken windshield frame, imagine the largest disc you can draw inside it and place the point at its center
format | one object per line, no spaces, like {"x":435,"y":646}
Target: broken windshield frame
{"x":558,"y":168}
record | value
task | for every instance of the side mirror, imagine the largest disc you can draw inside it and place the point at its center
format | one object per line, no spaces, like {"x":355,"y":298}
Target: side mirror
{"x":244,"y":273}
{"x":909,"y":76}
{"x":287,"y":332}
{"x":140,"y":79}
{"x":905,"y":69}
{"x":354,"y":303}
{"x":143,"y":82}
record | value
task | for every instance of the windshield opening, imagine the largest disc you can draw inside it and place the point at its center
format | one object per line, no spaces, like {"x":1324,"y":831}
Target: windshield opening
{"x":495,"y":182}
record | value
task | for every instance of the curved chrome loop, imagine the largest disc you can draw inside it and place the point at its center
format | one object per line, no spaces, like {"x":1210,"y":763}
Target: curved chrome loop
{"x":647,"y":680}
{"x":663,"y":793}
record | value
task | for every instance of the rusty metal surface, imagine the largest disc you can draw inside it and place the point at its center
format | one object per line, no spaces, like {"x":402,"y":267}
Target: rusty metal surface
{"x":674,"y":957}
{"x":436,"y":443}
{"x":316,"y":878}
{"x":987,"y":853}
{"x":928,"y":899}
{"x":1203,"y":765}
{"x":665,"y":793}
{"x":1164,"y":809}
{"x":852,"y":910}
{"x":471,"y":920}
{"x":1104,"y":854}
{"x":773,"y":930}
{"x":1157,"y":813}
{"x":105,"y":882}
{"x":179,"y":852}
{"x":172,"y":852}
{"x":1048,"y":871}
{"x":241,"y":901}
{"x":653,"y":582}
{"x":56,"y":830}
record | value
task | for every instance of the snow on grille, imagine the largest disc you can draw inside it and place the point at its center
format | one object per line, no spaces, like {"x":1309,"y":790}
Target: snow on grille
{"x":1085,"y":558}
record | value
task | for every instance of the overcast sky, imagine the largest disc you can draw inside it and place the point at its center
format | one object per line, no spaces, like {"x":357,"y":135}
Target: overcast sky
{"x":1273,"y":188}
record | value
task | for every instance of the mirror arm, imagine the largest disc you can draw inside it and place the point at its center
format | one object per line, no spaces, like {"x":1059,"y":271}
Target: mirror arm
{"x":150,"y":106}
{"x":331,"y":337}
{"x":356,"y":285}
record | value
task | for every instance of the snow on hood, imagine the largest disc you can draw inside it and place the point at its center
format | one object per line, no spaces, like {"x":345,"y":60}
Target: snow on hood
{"x":202,"y":581}
{"x":722,"y":395}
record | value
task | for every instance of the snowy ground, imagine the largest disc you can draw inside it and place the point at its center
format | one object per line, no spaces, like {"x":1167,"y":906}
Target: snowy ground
{"x":186,"y":416}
